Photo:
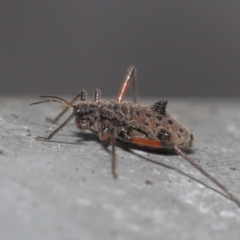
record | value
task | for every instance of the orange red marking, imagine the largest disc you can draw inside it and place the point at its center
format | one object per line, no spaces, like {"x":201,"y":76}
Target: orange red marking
{"x":147,"y":142}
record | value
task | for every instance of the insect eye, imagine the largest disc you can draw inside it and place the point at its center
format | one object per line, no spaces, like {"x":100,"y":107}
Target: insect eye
{"x":82,"y":110}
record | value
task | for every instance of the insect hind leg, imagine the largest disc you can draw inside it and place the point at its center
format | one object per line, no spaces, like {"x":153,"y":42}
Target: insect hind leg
{"x":82,"y":95}
{"x":131,"y":76}
{"x":210,"y":177}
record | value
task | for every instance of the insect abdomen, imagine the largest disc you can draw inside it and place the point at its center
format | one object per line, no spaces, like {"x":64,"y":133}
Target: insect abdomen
{"x":163,"y":126}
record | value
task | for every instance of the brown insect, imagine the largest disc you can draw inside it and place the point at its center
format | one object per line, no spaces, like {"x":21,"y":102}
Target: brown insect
{"x":129,"y":122}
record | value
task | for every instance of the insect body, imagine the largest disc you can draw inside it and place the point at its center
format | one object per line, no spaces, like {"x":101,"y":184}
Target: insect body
{"x":146,"y":126}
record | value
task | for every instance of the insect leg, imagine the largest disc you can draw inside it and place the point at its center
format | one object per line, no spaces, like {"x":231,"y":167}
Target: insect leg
{"x":81,"y":95}
{"x":130,"y":77}
{"x":113,"y":142}
{"x":97,"y":95}
{"x":39,"y":138}
{"x":105,"y":136}
{"x":221,"y":186}
{"x":158,"y":144}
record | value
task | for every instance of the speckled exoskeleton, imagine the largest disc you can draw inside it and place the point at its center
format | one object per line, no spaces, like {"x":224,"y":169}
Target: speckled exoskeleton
{"x":129,"y":122}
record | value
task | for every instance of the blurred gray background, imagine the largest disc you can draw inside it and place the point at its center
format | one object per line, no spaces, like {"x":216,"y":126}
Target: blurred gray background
{"x":180,"y":48}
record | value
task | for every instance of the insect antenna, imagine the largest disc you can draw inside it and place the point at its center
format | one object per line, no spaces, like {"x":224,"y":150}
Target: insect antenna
{"x":53,"y":99}
{"x":200,"y":169}
{"x":82,"y":95}
{"x":59,"y":100}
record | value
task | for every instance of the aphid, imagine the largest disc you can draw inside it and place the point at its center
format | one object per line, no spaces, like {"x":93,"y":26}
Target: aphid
{"x":129,"y":122}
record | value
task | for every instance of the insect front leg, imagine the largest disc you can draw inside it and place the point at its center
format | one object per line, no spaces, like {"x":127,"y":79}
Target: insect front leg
{"x":130,"y":77}
{"x":39,"y":138}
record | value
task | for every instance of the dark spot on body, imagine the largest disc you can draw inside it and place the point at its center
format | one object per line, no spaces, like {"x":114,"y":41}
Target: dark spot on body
{"x":159,"y":118}
{"x":157,"y":124}
{"x":163,"y":135}
{"x":138,"y":113}
{"x":180,"y":129}
{"x":115,"y":106}
{"x":178,"y":135}
{"x":124,"y":109}
{"x":233,"y":168}
{"x":146,"y":124}
{"x":148,"y":115}
{"x":170,"y":122}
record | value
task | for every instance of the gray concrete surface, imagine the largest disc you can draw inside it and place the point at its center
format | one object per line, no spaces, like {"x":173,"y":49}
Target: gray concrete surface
{"x":64,"y":189}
